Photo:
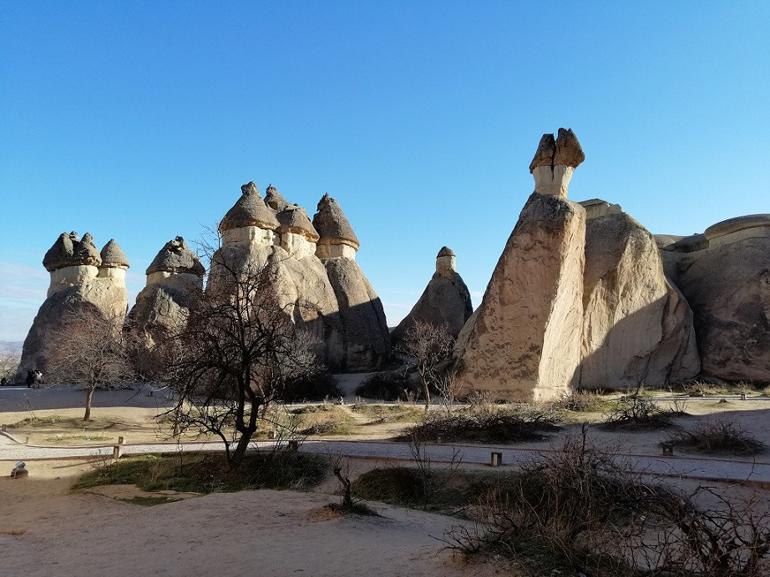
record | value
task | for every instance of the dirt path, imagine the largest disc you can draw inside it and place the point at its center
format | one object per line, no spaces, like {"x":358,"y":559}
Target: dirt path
{"x":267,"y":533}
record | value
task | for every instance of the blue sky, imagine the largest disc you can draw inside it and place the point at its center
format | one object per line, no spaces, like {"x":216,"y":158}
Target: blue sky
{"x":140,"y":121}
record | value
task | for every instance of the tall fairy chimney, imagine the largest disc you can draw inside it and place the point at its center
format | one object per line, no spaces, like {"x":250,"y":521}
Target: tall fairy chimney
{"x":337,"y":237}
{"x":114,"y":264}
{"x":249,"y":221}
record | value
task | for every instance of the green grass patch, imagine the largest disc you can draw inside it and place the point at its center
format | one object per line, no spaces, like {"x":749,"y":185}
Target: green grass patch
{"x":209,"y":473}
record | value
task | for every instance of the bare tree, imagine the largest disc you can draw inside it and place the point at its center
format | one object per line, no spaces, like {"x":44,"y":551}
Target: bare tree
{"x":429,"y":347}
{"x":448,"y":389}
{"x":8,"y":364}
{"x":89,"y":351}
{"x":237,"y":353}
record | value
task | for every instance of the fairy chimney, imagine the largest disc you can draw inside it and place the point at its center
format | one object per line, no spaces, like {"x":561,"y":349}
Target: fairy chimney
{"x":554,"y":162}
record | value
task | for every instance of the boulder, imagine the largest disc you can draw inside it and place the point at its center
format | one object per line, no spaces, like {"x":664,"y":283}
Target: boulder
{"x":445,"y":301}
{"x":725,"y":276}
{"x":637,"y":327}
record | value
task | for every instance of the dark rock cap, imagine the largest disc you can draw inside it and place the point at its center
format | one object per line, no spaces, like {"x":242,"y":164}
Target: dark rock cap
{"x":275,"y":199}
{"x":113,"y":255}
{"x":293,"y":218}
{"x":70,"y":250}
{"x":565,"y":150}
{"x":332,"y":224}
{"x":445,"y":251}
{"x":176,"y":257}
{"x":250,"y":210}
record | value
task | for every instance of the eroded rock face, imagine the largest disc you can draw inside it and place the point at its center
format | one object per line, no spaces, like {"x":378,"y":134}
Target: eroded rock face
{"x":446,"y":300}
{"x":637,"y":329}
{"x":725,"y":276}
{"x":174,"y":281}
{"x":365,"y":337}
{"x":80,"y":281}
{"x":523,"y":342}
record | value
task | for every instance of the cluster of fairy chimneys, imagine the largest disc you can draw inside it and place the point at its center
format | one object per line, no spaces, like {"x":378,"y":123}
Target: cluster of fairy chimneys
{"x":274,"y":221}
{"x":73,"y":260}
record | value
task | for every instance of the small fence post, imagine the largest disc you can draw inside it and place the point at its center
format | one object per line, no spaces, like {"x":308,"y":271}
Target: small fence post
{"x":496,"y":459}
{"x":117,"y":449}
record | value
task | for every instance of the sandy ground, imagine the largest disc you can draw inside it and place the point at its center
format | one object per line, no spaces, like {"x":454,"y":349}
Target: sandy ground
{"x":47,"y":531}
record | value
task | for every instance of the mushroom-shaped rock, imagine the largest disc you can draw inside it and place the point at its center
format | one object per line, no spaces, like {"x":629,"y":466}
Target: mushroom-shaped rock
{"x":332,"y":224}
{"x":86,"y":251}
{"x":446,"y":261}
{"x":113,"y":256}
{"x":61,"y":253}
{"x":70,"y":250}
{"x":275,"y":199}
{"x":554,"y":162}
{"x":176,"y":257}
{"x":294,"y":219}
{"x":249,"y":210}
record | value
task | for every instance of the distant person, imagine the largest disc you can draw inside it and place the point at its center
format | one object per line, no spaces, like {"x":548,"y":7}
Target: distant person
{"x":30,"y":378}
{"x":38,"y":378}
{"x":3,"y":382}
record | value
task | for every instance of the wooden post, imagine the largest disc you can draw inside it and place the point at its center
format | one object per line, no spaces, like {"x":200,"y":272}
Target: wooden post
{"x":117,"y":449}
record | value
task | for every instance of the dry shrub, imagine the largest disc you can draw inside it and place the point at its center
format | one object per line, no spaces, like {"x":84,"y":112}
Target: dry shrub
{"x":637,"y":412}
{"x":717,"y":437}
{"x":583,"y":402}
{"x":387,"y":386}
{"x":501,"y":426}
{"x":581,"y":511}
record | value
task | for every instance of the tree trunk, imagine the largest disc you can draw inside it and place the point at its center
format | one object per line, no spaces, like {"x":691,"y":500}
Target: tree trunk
{"x":89,"y":398}
{"x":240,"y":450}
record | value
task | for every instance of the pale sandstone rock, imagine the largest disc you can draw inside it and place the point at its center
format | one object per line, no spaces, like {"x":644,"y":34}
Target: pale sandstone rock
{"x":726,"y":280}
{"x":637,"y":327}
{"x":523,"y":342}
{"x":445,"y":301}
{"x":80,"y":281}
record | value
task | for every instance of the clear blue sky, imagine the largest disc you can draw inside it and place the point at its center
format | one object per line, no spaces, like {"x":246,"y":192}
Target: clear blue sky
{"x":140,"y":121}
